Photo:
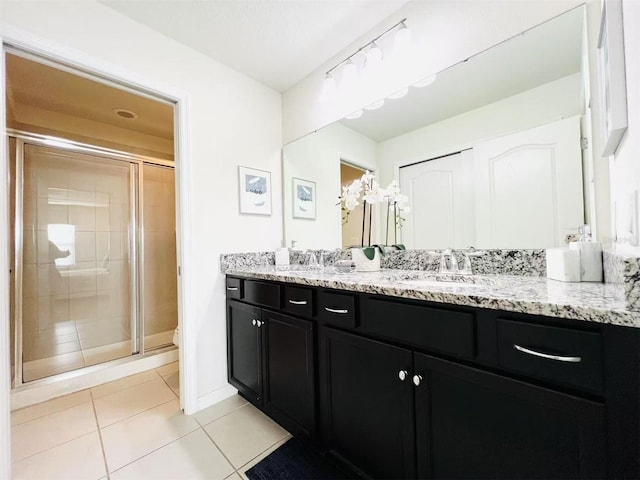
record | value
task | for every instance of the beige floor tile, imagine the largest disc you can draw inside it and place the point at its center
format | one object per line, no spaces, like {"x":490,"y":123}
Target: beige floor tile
{"x":220,"y":409}
{"x":80,"y":458}
{"x":49,"y":431}
{"x":173,"y":380}
{"x":243,"y":470}
{"x":137,"y":436}
{"x":47,"y":408}
{"x":233,"y":476}
{"x":127,"y":382}
{"x":193,"y":456}
{"x":244,"y":433}
{"x":168,"y":369}
{"x":106,"y":353}
{"x":131,"y":401}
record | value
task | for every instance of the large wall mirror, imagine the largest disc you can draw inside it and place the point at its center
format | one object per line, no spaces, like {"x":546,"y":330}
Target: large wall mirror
{"x":490,"y":153}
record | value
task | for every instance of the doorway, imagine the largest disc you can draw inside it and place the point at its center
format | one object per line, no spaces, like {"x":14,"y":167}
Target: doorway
{"x":93,"y":227}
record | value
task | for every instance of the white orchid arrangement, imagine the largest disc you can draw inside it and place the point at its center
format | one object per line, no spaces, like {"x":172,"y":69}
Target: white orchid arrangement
{"x":367,"y":191}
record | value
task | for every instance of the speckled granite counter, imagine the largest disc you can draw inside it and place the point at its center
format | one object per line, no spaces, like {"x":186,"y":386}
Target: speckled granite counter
{"x":594,"y":302}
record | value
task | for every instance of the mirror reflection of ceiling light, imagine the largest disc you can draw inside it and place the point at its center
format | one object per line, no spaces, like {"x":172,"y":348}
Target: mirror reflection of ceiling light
{"x":425,"y":81}
{"x":375,"y":105}
{"x":354,"y":115}
{"x":374,"y":56}
{"x":399,"y":93}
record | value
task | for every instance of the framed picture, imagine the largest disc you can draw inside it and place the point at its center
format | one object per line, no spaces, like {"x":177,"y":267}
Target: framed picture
{"x":304,"y":199}
{"x":613,"y":85}
{"x":255,"y":191}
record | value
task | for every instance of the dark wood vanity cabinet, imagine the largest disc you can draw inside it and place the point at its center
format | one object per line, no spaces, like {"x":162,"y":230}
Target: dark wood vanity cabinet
{"x":271,"y":358}
{"x":400,"y":388}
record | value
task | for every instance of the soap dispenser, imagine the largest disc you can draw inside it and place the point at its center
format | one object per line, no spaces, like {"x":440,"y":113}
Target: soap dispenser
{"x":282,"y":255}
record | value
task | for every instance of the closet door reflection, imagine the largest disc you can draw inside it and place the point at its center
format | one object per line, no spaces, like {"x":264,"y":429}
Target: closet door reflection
{"x":159,"y":256}
{"x":77,"y":276}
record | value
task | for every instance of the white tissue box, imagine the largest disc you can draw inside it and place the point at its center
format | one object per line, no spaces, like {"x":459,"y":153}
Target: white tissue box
{"x":282,"y":256}
{"x":590,"y":260}
{"x":563,"y":264}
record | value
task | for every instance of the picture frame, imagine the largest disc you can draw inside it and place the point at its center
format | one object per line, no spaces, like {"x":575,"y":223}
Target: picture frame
{"x":613,"y":85}
{"x":304,"y":198}
{"x":254,"y":187}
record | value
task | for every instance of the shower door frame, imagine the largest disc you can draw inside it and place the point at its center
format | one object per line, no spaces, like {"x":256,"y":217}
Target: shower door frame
{"x":136,"y":243}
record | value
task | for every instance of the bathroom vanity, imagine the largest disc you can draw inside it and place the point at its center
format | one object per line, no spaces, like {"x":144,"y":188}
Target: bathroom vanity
{"x":406,"y":375}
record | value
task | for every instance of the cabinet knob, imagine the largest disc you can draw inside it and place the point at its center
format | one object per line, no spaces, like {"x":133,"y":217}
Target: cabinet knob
{"x":402,"y":375}
{"x":254,"y":322}
{"x":259,"y":323}
{"x":417,"y":380}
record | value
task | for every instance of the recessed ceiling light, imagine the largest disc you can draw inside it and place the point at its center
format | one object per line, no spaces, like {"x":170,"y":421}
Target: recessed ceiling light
{"x":122,"y":113}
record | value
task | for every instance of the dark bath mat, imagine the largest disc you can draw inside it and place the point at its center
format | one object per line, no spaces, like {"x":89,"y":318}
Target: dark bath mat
{"x":296,"y":461}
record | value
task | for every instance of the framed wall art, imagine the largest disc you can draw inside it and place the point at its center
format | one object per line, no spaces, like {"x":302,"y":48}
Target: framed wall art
{"x":304,"y":199}
{"x":255,"y":191}
{"x":613,"y":85}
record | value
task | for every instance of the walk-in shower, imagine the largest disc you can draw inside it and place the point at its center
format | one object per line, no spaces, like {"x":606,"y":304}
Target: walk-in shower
{"x":94,"y":255}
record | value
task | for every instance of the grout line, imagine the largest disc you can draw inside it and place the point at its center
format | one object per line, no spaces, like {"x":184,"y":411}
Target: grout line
{"x":136,"y":413}
{"x":50,"y":413}
{"x":154,"y":450}
{"x":54,"y":446}
{"x":221,"y":416}
{"x":170,"y":387}
{"x":266,"y":449}
{"x":104,"y":454}
{"x":221,"y":452}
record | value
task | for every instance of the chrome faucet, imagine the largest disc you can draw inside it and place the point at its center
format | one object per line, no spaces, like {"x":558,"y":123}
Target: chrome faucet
{"x":448,"y":262}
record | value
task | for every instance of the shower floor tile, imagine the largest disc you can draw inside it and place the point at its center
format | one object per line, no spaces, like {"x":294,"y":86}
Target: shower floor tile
{"x":133,"y":428}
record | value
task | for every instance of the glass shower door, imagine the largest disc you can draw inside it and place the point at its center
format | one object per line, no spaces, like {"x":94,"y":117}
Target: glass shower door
{"x":78,"y":215}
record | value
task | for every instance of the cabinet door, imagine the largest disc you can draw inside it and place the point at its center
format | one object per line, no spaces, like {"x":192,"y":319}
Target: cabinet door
{"x":244,"y":349}
{"x":289,"y":384}
{"x":370,"y":410}
{"x":473,"y":424}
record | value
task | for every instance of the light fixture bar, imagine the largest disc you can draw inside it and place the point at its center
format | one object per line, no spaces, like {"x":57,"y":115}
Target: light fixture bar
{"x":366,"y":45}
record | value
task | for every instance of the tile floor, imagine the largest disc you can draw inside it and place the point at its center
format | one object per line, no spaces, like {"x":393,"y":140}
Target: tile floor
{"x":133,"y":429}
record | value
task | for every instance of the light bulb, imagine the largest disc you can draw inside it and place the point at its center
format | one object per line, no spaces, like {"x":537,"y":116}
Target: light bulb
{"x":328,"y":88}
{"x":374,"y":56}
{"x":354,"y":115}
{"x":399,"y":93}
{"x":425,"y":81}
{"x":375,"y":105}
{"x":349,"y":73}
{"x":402,"y":38}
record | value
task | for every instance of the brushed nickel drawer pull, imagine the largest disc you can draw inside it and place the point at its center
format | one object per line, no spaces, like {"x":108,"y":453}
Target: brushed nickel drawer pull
{"x":334,"y":310}
{"x":298,"y":302}
{"x":232,"y":289}
{"x":558,"y":358}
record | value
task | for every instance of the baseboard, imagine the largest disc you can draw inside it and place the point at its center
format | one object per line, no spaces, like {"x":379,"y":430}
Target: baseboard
{"x":216,"y":396}
{"x":55,"y":387}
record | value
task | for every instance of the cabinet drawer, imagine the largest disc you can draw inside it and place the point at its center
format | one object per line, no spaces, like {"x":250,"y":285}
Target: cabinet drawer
{"x":234,"y":288}
{"x":559,"y":355}
{"x":298,"y":301}
{"x":262,"y":293}
{"x":434,"y":329}
{"x":337,"y":309}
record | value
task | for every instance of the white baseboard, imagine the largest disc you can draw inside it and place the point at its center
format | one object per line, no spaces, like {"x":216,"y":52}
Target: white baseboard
{"x":216,"y":396}
{"x":32,"y":394}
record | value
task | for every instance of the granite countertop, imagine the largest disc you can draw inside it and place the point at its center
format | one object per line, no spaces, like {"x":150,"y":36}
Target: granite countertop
{"x":593,"y":302}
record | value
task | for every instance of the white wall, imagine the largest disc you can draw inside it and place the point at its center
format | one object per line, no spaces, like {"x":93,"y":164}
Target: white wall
{"x":232,"y":120}
{"x":317,"y":157}
{"x":546,"y":103}
{"x":625,"y":164}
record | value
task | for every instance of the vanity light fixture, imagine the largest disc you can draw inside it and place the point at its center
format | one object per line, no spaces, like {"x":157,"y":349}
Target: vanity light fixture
{"x":354,"y":115}
{"x":375,"y":105}
{"x":402,"y":39}
{"x":425,"y":81}
{"x":399,"y":94}
{"x":373,"y":54}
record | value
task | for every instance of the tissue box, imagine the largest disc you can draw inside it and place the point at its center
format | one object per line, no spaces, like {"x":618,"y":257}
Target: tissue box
{"x":590,"y":260}
{"x":563,"y":264}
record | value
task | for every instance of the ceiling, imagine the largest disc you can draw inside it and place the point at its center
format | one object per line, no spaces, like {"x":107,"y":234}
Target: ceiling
{"x":34,"y":84}
{"x":545,"y":53}
{"x":276,"y":42}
